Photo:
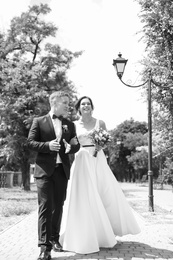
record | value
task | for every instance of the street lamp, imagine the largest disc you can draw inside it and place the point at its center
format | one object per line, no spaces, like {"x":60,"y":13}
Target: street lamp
{"x":119,"y":65}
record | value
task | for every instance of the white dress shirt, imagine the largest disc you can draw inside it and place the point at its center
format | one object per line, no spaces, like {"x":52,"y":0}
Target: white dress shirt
{"x":57,"y":124}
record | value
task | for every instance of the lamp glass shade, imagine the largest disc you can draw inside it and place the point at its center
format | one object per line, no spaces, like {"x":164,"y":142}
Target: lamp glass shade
{"x":119,"y":65}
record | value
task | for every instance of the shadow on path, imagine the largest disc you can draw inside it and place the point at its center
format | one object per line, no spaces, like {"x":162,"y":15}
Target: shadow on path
{"x":123,"y":250}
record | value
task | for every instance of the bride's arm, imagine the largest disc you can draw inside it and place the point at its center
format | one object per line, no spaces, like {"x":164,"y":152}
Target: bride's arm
{"x":102,"y":125}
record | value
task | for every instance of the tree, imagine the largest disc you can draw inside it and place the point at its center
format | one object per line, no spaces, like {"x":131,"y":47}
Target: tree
{"x":139,"y":161}
{"x":157,"y":33}
{"x":30,"y":69}
{"x":126,"y":138}
{"x":168,"y":172}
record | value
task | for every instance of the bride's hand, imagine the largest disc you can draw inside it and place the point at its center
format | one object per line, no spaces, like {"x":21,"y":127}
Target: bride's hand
{"x":67,"y":146}
{"x":74,"y":141}
{"x":98,"y":147}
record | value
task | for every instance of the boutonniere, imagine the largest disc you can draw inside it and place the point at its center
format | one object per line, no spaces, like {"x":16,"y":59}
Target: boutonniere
{"x":65,"y":128}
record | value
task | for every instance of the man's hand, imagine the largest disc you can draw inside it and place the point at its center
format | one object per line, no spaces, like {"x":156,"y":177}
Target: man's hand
{"x":67,"y":146}
{"x":54,"y":145}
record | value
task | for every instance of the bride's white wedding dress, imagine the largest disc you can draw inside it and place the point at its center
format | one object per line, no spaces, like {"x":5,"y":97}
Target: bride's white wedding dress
{"x":96,"y":210}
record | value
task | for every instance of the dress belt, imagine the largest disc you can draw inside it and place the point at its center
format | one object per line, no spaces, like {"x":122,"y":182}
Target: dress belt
{"x":88,"y":145}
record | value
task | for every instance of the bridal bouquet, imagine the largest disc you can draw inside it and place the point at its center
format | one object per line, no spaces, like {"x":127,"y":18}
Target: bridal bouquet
{"x":100,"y":138}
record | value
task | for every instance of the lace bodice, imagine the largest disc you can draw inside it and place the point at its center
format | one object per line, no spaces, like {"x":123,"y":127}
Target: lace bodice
{"x":83,"y":134}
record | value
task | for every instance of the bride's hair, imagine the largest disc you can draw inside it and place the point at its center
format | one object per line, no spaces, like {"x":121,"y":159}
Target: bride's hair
{"x":77,"y":105}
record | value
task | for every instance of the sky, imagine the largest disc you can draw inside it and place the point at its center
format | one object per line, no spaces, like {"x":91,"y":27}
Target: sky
{"x":102,"y":29}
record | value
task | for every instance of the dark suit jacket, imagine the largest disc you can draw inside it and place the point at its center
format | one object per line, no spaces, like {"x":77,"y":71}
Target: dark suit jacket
{"x":40,"y":134}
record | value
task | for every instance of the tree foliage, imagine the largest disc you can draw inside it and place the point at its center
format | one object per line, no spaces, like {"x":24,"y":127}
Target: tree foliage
{"x":30,"y":69}
{"x":123,"y":153}
{"x":157,"y":33}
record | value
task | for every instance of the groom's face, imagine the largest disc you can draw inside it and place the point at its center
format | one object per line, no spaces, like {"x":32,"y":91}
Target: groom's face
{"x":61,"y":106}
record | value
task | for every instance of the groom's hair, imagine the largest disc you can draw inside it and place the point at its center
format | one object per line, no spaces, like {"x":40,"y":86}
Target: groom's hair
{"x":57,"y":94}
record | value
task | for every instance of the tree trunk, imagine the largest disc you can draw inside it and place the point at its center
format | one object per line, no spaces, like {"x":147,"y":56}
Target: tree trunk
{"x":26,"y":176}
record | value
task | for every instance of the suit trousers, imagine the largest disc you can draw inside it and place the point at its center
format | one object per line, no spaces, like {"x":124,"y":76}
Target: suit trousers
{"x":51,"y":196}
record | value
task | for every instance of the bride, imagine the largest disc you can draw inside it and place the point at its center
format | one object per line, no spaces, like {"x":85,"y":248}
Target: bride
{"x":96,"y":210}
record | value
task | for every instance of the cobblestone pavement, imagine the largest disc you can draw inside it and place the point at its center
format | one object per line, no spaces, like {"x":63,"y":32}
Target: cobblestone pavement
{"x":155,"y":241}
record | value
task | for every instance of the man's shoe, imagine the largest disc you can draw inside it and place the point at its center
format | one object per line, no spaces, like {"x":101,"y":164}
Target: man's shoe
{"x":45,"y":255}
{"x":56,"y":246}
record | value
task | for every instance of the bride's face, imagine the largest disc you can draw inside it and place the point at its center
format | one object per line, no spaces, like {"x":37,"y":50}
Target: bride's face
{"x":85,"y":106}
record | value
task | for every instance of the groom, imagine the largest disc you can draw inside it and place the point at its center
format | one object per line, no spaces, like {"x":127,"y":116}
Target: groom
{"x":53,"y":137}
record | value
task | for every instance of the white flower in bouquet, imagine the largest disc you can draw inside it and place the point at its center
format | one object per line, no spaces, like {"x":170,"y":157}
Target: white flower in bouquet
{"x":100,"y":138}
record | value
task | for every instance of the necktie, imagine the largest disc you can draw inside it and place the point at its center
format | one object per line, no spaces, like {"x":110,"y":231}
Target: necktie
{"x":59,"y":117}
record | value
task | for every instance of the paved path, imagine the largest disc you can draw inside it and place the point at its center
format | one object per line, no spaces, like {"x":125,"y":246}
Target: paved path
{"x":154,"y":242}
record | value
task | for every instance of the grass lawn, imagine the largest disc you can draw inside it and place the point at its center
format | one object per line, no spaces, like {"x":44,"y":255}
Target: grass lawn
{"x":141,"y":206}
{"x":15,"y":204}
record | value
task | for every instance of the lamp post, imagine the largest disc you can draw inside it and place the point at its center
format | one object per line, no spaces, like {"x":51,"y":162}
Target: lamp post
{"x":119,"y":65}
